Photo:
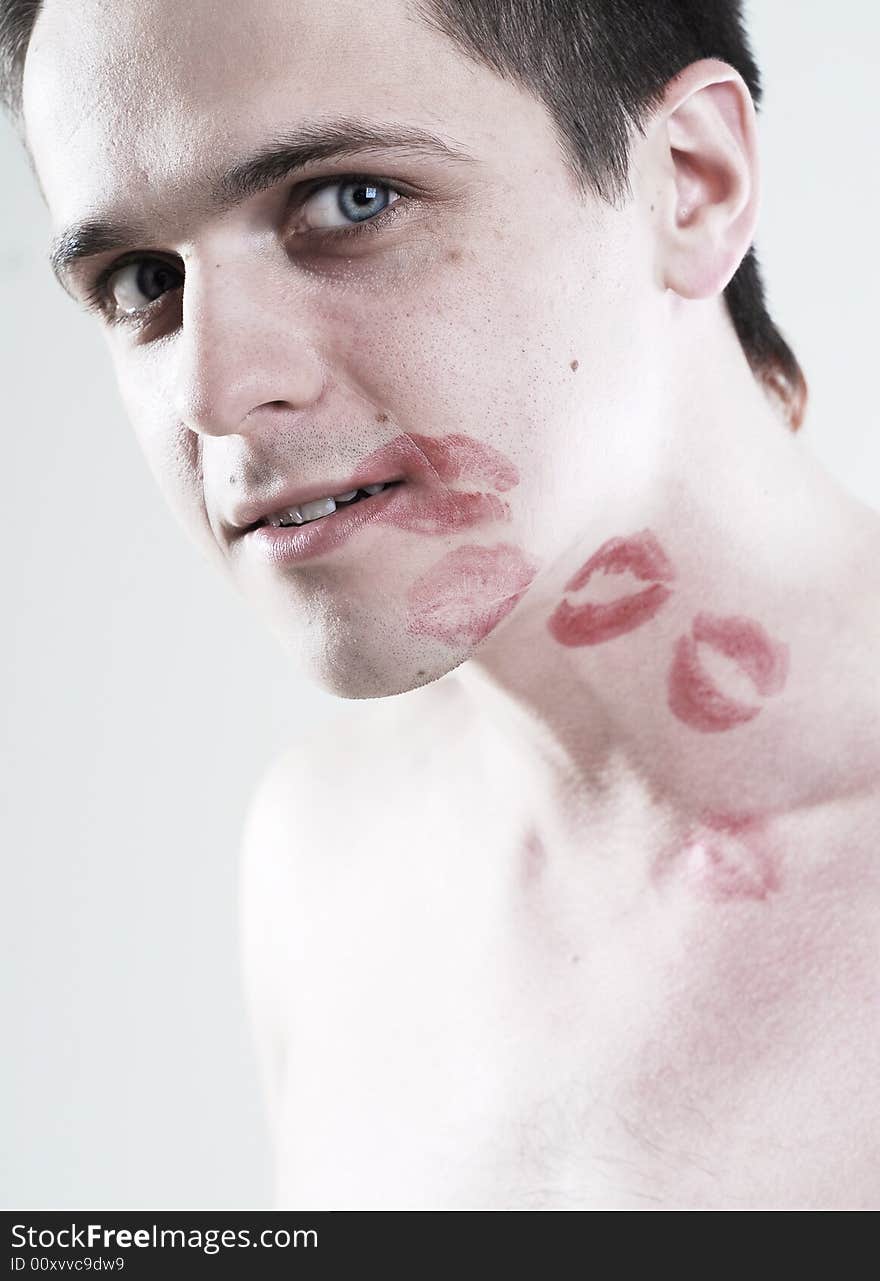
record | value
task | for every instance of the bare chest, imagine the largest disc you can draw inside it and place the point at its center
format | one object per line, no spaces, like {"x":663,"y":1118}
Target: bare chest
{"x":457,"y":1035}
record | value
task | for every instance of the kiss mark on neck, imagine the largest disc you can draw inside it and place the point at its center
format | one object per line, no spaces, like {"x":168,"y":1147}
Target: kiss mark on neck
{"x":594,"y":622}
{"x":695,"y":698}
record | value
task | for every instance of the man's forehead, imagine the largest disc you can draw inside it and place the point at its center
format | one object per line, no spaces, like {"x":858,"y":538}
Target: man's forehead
{"x":128,"y":94}
{"x":186,"y":47}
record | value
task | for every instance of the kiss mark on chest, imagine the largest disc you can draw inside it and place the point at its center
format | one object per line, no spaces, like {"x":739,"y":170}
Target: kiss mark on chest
{"x":724,"y":857}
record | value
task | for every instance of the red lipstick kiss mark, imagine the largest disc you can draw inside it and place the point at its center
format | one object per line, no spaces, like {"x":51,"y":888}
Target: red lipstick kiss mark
{"x":467,"y":593}
{"x":445,"y":511}
{"x":725,"y":857}
{"x":457,"y":456}
{"x":595,"y":622}
{"x":431,"y":507}
{"x":695,"y":699}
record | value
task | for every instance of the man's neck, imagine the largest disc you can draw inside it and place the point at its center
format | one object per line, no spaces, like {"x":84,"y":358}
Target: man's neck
{"x":754,"y":543}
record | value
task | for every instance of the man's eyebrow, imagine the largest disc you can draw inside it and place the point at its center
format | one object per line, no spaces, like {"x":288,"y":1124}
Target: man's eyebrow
{"x":281,"y":158}
{"x":328,"y":140}
{"x":88,"y":238}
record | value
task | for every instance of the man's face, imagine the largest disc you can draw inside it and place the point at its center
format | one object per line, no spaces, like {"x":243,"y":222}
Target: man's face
{"x":460,"y":320}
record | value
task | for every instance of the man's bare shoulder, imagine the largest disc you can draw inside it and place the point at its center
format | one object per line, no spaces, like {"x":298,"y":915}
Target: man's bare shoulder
{"x":336,"y":791}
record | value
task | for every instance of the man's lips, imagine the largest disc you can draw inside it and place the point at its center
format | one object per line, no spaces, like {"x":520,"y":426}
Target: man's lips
{"x":695,"y":698}
{"x":432,"y":462}
{"x":593,"y":622}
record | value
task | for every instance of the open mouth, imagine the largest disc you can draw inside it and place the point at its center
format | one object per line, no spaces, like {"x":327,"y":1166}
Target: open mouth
{"x":321,"y":508}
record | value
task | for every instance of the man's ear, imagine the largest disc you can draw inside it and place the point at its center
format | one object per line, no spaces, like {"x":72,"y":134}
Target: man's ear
{"x":708,"y":202}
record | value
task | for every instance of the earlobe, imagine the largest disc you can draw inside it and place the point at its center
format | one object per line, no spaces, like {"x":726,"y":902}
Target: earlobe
{"x":708,"y":131}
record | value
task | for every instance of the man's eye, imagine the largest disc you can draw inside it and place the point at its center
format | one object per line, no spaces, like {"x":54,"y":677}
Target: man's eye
{"x":135,"y":286}
{"x":339,"y":204}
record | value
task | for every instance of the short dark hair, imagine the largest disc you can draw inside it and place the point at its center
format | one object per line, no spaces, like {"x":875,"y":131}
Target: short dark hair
{"x":600,"y":67}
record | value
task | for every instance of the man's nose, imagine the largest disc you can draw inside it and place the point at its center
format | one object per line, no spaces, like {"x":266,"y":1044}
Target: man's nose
{"x":243,"y":345}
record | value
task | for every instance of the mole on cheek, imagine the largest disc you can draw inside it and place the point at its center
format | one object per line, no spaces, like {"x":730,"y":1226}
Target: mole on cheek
{"x":468,"y":592}
{"x":381,"y":418}
{"x":574,"y":366}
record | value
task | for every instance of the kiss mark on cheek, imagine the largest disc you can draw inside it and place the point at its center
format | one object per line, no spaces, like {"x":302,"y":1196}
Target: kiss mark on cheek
{"x":692,"y":694}
{"x":467,"y":593}
{"x":594,"y":622}
{"x":446,"y":511}
{"x":725,"y":858}
{"x":456,"y":457}
{"x":435,"y":463}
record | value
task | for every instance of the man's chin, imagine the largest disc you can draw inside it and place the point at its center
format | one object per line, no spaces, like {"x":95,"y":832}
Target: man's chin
{"x":363,"y":689}
{"x":367,"y":665}
{"x":354,"y":684}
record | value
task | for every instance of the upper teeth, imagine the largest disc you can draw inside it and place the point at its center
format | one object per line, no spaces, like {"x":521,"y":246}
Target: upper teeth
{"x":304,"y":512}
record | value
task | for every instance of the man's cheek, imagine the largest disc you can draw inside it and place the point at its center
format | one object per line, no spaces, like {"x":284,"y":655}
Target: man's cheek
{"x":467,"y":592}
{"x":441,"y":337}
{"x":172,"y":454}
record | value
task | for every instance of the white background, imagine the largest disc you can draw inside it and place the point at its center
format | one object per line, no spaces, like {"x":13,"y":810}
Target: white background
{"x":142,"y":701}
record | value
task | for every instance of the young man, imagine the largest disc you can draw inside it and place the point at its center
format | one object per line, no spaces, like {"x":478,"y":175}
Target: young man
{"x":589,"y":918}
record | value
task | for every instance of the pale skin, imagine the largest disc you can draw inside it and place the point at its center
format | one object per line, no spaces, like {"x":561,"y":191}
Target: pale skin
{"x":600,"y":941}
